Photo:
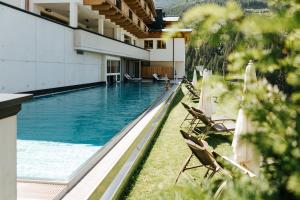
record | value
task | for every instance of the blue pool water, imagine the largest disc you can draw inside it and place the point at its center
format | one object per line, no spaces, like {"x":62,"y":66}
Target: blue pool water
{"x":58,"y":133}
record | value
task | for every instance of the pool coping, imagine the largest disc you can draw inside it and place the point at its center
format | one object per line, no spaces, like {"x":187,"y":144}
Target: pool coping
{"x":79,"y":190}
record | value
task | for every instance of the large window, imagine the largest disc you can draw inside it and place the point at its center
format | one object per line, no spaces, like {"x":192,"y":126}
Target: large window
{"x":148,"y":44}
{"x":113,"y":71}
{"x":127,"y":39}
{"x":113,"y":67}
{"x":119,"y":4}
{"x":161,"y":44}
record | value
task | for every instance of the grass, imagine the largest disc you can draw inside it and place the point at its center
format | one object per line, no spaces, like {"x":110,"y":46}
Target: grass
{"x":161,"y":165}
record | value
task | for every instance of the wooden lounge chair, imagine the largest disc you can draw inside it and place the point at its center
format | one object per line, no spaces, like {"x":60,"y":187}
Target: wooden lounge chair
{"x":200,"y":150}
{"x":129,"y":78}
{"x":196,"y":117}
{"x":211,"y":125}
{"x":157,"y":78}
{"x":187,"y":82}
{"x":193,"y":93}
{"x":210,"y":160}
{"x":189,"y":117}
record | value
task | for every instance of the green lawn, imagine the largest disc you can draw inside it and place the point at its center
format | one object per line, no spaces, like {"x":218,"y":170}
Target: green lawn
{"x":160,"y":168}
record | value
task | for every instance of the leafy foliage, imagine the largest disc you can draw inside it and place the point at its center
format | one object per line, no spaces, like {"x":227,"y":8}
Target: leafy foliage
{"x":271,"y":40}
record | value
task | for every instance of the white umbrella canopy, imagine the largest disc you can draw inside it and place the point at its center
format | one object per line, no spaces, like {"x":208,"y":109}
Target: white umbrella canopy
{"x":206,"y":101}
{"x":195,"y":79}
{"x":244,"y":152}
{"x":200,"y":69}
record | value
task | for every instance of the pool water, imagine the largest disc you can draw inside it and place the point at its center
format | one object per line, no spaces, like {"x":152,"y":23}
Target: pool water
{"x":58,"y":133}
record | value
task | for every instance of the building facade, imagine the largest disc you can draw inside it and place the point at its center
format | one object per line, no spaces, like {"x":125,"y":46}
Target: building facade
{"x":47,"y":44}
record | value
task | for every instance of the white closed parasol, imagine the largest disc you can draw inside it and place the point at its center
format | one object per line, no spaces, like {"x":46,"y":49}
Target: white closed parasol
{"x":206,"y":101}
{"x":245,"y":153}
{"x":200,"y":69}
{"x":195,"y":79}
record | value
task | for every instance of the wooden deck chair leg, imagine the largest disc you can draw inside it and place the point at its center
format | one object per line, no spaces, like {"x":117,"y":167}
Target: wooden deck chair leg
{"x":191,"y":125}
{"x":184,"y":167}
{"x":185,"y":119}
{"x":205,"y":175}
{"x":196,"y":124}
{"x":211,"y":174}
{"x":220,"y":190}
{"x":206,"y":131}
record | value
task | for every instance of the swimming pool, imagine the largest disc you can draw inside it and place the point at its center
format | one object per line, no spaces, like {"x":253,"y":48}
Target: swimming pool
{"x":58,"y":133}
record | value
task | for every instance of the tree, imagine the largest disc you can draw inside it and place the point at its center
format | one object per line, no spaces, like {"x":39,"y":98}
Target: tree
{"x":272,"y":40}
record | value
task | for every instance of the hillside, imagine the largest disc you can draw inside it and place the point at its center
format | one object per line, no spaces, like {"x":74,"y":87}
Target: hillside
{"x":177,"y":7}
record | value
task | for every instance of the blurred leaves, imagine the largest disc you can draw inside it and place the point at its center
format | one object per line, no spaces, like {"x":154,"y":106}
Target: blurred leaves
{"x":272,"y":40}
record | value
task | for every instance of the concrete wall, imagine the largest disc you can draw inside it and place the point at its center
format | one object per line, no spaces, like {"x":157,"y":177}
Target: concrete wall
{"x":38,"y":54}
{"x":8,"y":157}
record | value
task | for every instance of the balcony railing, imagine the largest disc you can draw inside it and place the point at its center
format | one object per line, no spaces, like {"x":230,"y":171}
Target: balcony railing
{"x":120,"y":13}
{"x":94,"y":42}
{"x":142,"y":9}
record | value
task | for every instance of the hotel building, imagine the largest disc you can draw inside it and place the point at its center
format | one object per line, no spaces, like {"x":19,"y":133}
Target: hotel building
{"x":47,"y":44}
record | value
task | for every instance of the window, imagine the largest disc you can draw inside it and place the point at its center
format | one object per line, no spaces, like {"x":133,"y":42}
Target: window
{"x":161,"y":44}
{"x":148,"y":44}
{"x":119,"y":4}
{"x":130,"y":15}
{"x":139,"y":23}
{"x":127,"y":39}
{"x":113,"y":66}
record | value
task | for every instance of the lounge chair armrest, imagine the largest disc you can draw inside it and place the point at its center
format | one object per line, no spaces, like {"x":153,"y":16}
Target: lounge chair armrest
{"x":240,"y":167}
{"x":223,"y":120}
{"x":213,"y":126}
{"x":233,"y":163}
{"x":190,"y":142}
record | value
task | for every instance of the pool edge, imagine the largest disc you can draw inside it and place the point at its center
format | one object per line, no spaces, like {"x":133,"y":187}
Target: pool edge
{"x":139,"y":144}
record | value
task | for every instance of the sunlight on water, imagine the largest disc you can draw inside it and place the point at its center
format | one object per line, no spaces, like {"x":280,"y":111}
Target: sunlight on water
{"x":58,"y":133}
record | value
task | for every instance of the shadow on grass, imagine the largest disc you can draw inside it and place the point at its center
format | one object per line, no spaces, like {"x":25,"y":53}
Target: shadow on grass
{"x":215,"y":139}
{"x":132,"y":181}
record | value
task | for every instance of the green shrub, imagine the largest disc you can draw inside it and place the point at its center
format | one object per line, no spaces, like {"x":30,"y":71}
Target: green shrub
{"x":272,"y":40}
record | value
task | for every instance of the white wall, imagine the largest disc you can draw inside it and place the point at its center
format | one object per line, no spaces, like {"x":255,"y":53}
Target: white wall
{"x":167,"y":54}
{"x":17,"y":3}
{"x":37,"y":54}
{"x":94,"y":43}
{"x":164,"y":57}
{"x":180,"y":69}
{"x":8,"y":157}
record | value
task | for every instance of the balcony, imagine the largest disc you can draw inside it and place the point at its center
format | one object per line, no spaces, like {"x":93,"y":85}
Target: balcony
{"x":120,"y":13}
{"x":93,"y":42}
{"x":142,"y":10}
